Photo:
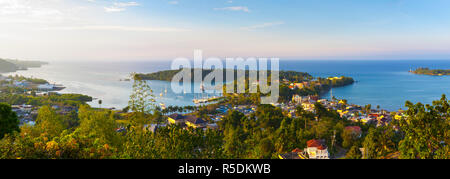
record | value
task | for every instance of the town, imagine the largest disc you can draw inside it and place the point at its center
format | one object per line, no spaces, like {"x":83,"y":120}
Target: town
{"x":236,"y":126}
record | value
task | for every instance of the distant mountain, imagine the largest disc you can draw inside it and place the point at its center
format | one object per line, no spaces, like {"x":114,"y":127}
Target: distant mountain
{"x":8,"y":65}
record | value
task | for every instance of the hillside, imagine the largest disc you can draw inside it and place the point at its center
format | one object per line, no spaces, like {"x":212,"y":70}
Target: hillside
{"x":8,"y":65}
{"x":167,"y":75}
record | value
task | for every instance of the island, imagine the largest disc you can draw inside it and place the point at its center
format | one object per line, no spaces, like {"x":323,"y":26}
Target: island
{"x":292,"y":83}
{"x":432,"y":72}
{"x":167,"y":75}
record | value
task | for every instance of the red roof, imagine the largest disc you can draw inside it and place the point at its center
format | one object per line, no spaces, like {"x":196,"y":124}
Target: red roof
{"x":355,"y":129}
{"x":297,"y":150}
{"x":316,"y":143}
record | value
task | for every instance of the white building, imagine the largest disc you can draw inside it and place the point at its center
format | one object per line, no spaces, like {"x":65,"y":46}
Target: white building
{"x":46,"y":87}
{"x":317,"y":150}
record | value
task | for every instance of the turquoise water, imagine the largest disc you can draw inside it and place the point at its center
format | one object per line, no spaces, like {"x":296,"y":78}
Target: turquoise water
{"x":382,"y":82}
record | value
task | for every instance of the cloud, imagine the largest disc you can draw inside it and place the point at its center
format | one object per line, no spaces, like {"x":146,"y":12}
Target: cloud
{"x":173,"y":2}
{"x":233,"y":8}
{"x":264,"y":25}
{"x":114,"y":9}
{"x":120,"y":6}
{"x":22,"y":11}
{"x":118,"y":28}
{"x":126,"y":4}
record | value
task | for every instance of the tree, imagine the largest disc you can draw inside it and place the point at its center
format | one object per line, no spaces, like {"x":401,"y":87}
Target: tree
{"x":142,"y":102}
{"x":348,"y":138}
{"x":8,"y":120}
{"x":49,"y":122}
{"x":266,"y":147}
{"x":142,"y":99}
{"x":379,"y":142}
{"x":99,"y":124}
{"x":354,"y":153}
{"x":426,"y":131}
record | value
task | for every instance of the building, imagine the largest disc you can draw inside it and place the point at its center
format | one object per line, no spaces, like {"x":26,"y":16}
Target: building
{"x":22,"y":84}
{"x":295,"y":154}
{"x":176,"y":119}
{"x":297,"y":99}
{"x":317,"y":149}
{"x":195,"y":122}
{"x":356,"y":130}
{"x":45,"y":87}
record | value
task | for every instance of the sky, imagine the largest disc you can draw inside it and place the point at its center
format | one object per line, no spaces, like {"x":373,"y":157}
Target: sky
{"x":167,"y":29}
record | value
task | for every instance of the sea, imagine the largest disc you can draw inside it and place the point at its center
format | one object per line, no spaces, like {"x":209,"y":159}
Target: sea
{"x":386,"y":83}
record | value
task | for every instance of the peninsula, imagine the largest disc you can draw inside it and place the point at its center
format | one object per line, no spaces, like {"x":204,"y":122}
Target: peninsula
{"x":9,"y":65}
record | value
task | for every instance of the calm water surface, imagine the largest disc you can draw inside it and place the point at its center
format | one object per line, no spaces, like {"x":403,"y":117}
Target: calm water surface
{"x":379,"y":82}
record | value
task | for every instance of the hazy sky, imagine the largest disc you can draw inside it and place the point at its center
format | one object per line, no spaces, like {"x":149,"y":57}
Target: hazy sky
{"x":165,"y":29}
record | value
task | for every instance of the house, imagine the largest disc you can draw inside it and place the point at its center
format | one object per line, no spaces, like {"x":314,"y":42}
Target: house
{"x":299,"y":85}
{"x":212,"y":126}
{"x":297,"y":99}
{"x":176,"y":119}
{"x":308,"y":106}
{"x":45,"y":87}
{"x":334,"y":78}
{"x":295,"y":154}
{"x":195,"y":122}
{"x":356,"y":130}
{"x":317,"y":149}
{"x":398,"y":117}
{"x":22,"y":83}
{"x":121,"y":130}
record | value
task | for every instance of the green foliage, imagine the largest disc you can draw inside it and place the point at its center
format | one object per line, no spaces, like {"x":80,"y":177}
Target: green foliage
{"x":91,"y":134}
{"x":142,"y":99}
{"x":53,"y":99}
{"x":354,"y":153}
{"x":48,"y":122}
{"x":167,"y":75}
{"x":379,"y":142}
{"x":426,"y":131}
{"x":8,"y":120}
{"x":435,"y":72}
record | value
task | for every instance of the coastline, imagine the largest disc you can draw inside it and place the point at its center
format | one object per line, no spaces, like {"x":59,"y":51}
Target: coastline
{"x":384,"y":83}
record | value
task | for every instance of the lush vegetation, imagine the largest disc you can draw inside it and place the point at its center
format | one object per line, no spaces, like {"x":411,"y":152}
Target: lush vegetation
{"x":263,"y":134}
{"x":8,"y":120}
{"x":435,"y":72}
{"x":31,"y":80}
{"x":52,"y":99}
{"x":167,"y":75}
{"x":322,"y":85}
